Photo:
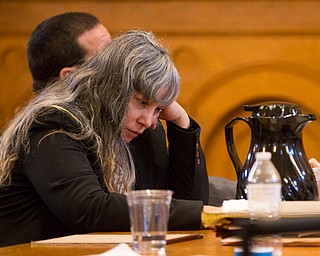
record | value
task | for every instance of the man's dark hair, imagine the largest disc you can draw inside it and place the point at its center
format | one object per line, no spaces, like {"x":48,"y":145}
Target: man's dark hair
{"x":53,"y":45}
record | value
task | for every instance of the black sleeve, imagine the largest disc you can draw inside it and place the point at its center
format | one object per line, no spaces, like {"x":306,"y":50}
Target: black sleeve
{"x":188,"y":176}
{"x":185,"y":215}
{"x":151,"y":158}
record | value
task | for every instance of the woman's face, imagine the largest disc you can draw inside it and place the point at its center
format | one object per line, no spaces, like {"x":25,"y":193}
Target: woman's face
{"x":142,"y":114}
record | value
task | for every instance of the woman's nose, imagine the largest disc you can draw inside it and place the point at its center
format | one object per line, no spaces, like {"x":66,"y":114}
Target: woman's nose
{"x":147,"y":118}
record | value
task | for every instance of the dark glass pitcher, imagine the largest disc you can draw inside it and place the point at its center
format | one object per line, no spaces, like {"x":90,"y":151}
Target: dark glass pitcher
{"x":276,"y":127}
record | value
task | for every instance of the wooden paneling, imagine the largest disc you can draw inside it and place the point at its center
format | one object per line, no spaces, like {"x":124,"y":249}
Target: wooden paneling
{"x":229,"y":53}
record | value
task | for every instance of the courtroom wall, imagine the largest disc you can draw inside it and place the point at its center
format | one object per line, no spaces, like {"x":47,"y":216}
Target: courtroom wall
{"x":229,"y":53}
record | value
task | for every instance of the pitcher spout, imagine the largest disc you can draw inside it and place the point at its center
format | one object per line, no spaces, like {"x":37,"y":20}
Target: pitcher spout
{"x":301,"y":121}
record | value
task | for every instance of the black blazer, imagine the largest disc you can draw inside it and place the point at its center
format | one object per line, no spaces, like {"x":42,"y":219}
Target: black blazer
{"x":57,"y":189}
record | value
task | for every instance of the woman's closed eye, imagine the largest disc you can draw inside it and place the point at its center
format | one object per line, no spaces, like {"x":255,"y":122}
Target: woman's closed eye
{"x":158,"y":110}
{"x":142,"y":103}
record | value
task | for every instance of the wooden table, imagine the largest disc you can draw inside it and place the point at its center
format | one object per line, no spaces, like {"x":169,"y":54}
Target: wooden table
{"x":208,"y":245}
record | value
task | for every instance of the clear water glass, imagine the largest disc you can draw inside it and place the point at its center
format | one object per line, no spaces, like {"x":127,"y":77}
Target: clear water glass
{"x":149,"y":215}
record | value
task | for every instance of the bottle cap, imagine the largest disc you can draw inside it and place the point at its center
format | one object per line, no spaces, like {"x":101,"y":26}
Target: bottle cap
{"x":263,"y":155}
{"x":255,"y":251}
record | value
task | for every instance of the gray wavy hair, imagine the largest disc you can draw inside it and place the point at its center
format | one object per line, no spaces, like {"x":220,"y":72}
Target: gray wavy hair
{"x":96,"y":96}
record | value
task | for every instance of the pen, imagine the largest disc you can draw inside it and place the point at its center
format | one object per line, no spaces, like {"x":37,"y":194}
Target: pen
{"x":185,"y":238}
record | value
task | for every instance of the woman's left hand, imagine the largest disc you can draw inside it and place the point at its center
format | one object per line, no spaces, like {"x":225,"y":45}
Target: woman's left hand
{"x":175,"y":114}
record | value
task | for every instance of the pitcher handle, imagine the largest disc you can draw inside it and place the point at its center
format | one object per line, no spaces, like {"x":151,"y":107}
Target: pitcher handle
{"x":230,"y":142}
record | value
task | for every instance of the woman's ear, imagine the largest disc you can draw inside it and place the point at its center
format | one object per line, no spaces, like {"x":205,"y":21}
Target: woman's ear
{"x":66,"y":71}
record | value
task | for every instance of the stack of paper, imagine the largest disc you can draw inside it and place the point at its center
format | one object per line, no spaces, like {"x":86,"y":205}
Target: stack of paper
{"x":223,"y":219}
{"x":239,"y":209}
{"x":106,"y":239}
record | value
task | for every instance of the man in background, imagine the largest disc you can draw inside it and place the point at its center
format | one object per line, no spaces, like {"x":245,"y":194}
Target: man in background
{"x":60,"y":43}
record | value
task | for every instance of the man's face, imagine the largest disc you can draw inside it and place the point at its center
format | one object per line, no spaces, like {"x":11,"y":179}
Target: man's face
{"x":94,"y":40}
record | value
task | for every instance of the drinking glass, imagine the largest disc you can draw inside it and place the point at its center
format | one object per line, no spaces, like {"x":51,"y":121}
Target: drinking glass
{"x":149,"y":215}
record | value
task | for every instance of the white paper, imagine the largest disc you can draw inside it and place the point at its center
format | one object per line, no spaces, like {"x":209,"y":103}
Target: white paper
{"x":119,"y":250}
{"x":94,"y":239}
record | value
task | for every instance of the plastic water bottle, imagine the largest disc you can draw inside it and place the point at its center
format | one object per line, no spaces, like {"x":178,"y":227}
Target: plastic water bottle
{"x":264,"y":198}
{"x":264,"y":188}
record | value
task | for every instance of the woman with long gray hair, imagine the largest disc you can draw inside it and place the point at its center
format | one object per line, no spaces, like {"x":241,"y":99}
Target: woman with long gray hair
{"x":65,"y":163}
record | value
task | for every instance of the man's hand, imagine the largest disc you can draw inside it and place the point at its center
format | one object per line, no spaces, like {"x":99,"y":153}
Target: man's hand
{"x":314,"y":163}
